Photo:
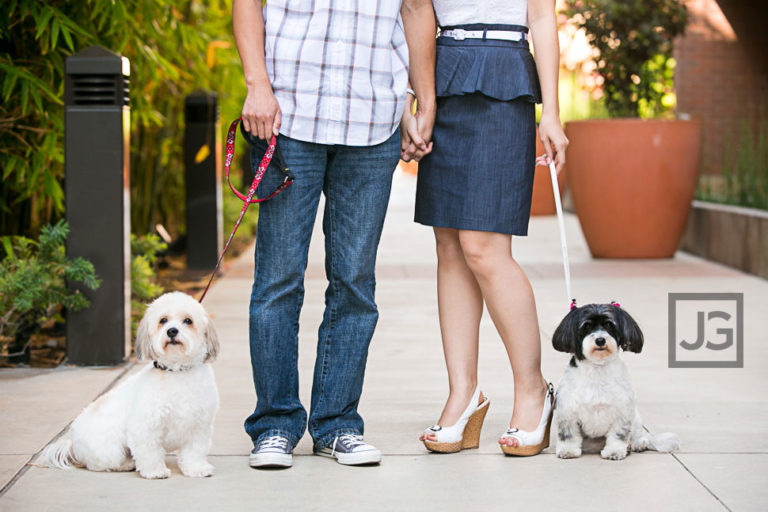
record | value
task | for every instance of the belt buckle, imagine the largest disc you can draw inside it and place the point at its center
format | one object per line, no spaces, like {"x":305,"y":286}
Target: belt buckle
{"x":458,"y":34}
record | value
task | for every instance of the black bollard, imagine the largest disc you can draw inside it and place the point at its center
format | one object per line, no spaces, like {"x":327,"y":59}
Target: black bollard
{"x":202,"y":160}
{"x":97,"y":124}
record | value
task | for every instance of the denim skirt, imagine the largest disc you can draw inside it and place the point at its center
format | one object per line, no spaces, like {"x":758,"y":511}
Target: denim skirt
{"x":479,"y":175}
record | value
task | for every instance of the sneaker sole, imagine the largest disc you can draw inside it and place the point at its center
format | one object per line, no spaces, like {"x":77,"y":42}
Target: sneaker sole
{"x":271,"y":460}
{"x":369,"y":457}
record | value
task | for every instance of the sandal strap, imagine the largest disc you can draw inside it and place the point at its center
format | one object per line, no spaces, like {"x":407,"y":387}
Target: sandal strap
{"x":454,"y":432}
{"x":530,"y":438}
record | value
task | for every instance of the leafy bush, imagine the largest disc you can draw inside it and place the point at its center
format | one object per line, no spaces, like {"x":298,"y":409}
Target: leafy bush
{"x":171,"y":45}
{"x":33,"y":282}
{"x":144,"y":251}
{"x":634,"y":38}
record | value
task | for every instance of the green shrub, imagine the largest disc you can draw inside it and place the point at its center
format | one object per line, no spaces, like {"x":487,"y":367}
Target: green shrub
{"x":171,"y":45}
{"x":634,"y":38}
{"x":33,"y":282}
{"x":144,"y":252}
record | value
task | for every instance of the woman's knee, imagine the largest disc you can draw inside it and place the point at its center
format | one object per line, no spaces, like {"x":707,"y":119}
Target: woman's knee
{"x":483,"y":251}
{"x":447,"y":244}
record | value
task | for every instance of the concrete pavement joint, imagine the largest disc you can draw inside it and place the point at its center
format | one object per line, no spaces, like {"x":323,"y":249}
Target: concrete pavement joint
{"x":701,"y":483}
{"x":63,"y":431}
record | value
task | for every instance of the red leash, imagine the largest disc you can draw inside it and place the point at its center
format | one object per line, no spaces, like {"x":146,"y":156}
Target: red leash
{"x":248,"y":198}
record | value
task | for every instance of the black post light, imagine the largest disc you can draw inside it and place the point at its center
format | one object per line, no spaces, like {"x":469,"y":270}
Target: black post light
{"x":97,"y":137}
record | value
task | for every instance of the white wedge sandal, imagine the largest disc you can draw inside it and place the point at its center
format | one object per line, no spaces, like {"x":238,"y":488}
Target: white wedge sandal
{"x":465,"y":433}
{"x":531,"y":443}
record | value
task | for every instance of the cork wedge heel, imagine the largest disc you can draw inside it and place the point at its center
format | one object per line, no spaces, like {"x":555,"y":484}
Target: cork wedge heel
{"x":532,"y":443}
{"x":465,"y":433}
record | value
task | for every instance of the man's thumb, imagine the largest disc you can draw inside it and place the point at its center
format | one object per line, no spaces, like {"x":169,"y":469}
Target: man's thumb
{"x":276,"y":124}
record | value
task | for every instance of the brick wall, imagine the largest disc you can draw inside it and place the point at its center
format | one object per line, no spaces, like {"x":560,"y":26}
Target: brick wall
{"x":717,"y":81}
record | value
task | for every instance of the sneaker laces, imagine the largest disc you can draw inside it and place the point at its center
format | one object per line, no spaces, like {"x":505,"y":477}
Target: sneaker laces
{"x":350,"y":441}
{"x":274,"y":442}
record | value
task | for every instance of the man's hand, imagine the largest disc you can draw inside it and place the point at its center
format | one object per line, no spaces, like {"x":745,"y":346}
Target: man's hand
{"x":261,"y":112}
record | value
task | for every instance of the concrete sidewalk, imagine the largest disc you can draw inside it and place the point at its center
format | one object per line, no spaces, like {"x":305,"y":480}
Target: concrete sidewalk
{"x":721,"y":415}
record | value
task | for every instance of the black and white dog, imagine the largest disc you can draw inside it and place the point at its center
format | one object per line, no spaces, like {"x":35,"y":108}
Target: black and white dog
{"x":595,"y":397}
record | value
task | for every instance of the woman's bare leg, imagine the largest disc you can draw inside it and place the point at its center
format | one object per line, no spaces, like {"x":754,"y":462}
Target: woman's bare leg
{"x":509,"y":298}
{"x":460,"y":307}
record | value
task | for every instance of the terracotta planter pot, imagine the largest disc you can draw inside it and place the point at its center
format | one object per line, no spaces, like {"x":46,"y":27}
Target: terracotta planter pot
{"x":411,"y":167}
{"x":632,"y":183}
{"x":543,"y":200}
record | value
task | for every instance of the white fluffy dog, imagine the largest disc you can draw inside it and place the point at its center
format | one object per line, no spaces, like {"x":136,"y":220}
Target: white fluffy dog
{"x":169,"y":405}
{"x":595,"y":399}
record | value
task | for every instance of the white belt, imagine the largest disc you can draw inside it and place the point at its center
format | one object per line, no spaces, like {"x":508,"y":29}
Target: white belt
{"x":504,"y":35}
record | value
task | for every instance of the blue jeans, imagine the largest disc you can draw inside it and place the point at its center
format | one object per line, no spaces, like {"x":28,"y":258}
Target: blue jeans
{"x":356,"y":182}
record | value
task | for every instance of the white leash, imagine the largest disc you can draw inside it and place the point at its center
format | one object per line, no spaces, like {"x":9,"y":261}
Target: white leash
{"x":561,"y":224}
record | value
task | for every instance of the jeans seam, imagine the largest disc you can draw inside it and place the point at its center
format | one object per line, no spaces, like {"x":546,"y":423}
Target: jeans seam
{"x":299,"y":302}
{"x":332,"y":283}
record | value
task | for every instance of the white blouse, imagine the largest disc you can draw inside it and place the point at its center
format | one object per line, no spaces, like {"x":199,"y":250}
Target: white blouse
{"x":462,"y":12}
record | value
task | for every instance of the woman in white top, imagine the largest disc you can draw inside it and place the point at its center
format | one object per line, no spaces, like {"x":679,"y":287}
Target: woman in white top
{"x":474,"y":188}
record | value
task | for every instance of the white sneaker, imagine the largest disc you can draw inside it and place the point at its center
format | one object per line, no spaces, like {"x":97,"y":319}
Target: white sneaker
{"x":351,"y":450}
{"x":272,"y":452}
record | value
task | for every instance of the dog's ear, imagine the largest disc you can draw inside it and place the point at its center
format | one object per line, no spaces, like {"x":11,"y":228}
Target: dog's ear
{"x":566,"y":333}
{"x":211,"y":341}
{"x":631,"y":337}
{"x":144,"y":349}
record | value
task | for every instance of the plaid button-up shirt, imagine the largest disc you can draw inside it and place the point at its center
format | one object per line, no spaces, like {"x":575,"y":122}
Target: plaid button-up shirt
{"x":339,"y":68}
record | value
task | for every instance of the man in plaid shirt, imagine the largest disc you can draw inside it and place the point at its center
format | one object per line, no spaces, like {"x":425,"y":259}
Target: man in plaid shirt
{"x":330,"y":79}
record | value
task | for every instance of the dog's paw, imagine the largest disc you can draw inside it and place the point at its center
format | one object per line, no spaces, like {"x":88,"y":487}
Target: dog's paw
{"x":565,"y":451}
{"x":200,"y":471}
{"x":641,"y":444}
{"x":155,"y":473}
{"x":613,"y":453}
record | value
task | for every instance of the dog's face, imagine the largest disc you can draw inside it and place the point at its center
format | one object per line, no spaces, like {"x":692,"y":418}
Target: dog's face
{"x":595,"y":333}
{"x":176,"y":330}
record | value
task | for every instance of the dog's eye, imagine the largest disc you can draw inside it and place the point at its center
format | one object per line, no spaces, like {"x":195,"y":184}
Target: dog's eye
{"x":188,"y":321}
{"x":587,"y":326}
{"x":163,"y":320}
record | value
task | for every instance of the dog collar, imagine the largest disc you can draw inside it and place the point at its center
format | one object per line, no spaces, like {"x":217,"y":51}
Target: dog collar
{"x":166,"y":369}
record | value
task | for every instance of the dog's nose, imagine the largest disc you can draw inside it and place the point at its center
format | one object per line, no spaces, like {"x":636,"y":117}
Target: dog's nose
{"x":172,"y":332}
{"x":600,"y":342}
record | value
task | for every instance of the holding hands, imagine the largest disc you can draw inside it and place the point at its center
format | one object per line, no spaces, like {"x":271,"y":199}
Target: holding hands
{"x":416,"y":130}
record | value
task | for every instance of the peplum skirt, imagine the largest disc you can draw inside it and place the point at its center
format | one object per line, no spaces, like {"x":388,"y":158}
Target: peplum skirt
{"x":479,"y":175}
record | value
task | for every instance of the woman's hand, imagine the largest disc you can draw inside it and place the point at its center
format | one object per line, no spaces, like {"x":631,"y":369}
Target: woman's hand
{"x":543,"y":26}
{"x":261,"y":112}
{"x":554,"y":140}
